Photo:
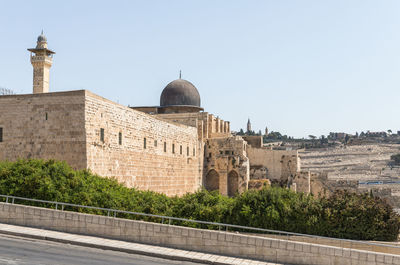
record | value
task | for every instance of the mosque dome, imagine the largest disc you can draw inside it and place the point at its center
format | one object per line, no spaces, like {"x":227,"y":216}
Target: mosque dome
{"x":180,"y":92}
{"x":42,"y":38}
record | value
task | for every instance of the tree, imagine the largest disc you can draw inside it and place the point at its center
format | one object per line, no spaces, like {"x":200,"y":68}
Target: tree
{"x":312,"y":137}
{"x":274,"y":136}
{"x":389,"y":131}
{"x":346,"y":138}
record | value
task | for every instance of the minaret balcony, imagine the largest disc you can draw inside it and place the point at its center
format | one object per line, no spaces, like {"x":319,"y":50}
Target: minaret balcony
{"x":41,"y":59}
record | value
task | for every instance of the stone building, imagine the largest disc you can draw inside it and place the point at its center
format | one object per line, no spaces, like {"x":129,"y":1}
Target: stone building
{"x":173,"y":148}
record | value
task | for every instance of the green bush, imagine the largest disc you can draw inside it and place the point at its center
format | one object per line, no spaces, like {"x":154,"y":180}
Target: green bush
{"x":342,"y":215}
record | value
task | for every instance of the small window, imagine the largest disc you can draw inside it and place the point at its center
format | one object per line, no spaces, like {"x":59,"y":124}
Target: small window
{"x":155,"y":143}
{"x":220,"y":152}
{"x":209,"y":154}
{"x":120,"y":138}
{"x":227,"y":152}
{"x":187,"y":151}
{"x":165,"y":146}
{"x":1,"y":134}
{"x":194,"y":152}
{"x":173,"y":148}
{"x":180,"y":150}
{"x":102,"y":135}
{"x":47,"y":116}
{"x":144,"y":143}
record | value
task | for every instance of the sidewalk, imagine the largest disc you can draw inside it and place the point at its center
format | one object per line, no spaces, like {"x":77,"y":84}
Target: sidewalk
{"x":123,"y":246}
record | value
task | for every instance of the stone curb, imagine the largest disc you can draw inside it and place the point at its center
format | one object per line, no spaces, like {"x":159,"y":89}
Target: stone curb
{"x":120,"y":249}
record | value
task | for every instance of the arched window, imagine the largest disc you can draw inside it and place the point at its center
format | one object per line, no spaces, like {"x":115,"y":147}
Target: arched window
{"x":233,"y":183}
{"x":212,"y":180}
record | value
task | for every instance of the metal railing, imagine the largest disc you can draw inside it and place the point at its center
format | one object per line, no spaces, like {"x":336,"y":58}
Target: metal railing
{"x":386,"y":247}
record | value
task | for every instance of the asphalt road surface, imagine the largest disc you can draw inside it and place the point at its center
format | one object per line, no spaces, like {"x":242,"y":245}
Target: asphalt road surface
{"x":18,"y":250}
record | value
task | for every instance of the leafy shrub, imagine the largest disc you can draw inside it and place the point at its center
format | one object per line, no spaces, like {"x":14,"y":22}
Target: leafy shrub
{"x":343,"y":215}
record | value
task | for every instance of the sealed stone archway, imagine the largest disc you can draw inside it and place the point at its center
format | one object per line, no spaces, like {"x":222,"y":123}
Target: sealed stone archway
{"x":233,"y":183}
{"x":212,"y":180}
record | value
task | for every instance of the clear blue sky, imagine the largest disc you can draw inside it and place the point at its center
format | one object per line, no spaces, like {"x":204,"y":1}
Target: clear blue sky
{"x":298,"y":67}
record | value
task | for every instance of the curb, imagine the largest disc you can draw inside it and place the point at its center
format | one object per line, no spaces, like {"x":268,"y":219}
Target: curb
{"x":130,"y":251}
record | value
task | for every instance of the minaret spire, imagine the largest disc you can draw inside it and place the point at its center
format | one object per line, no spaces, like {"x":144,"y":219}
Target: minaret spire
{"x":180,"y":74}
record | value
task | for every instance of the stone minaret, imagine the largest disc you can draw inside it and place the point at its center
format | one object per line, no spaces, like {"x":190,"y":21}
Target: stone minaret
{"x":41,"y":60}
{"x":248,"y":125}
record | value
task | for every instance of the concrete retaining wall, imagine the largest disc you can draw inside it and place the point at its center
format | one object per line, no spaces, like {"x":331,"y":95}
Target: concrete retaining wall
{"x":218,"y":242}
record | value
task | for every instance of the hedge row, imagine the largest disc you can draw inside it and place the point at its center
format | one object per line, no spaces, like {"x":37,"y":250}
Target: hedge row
{"x":342,"y":215}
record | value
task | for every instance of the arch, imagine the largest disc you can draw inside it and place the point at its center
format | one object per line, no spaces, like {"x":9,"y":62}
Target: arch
{"x":233,"y":183}
{"x":212,"y":180}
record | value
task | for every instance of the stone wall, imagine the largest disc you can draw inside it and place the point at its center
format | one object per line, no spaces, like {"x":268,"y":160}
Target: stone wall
{"x":226,"y":166}
{"x":140,"y":150}
{"x":279,"y":164}
{"x":217,"y":242}
{"x":302,"y":180}
{"x":47,"y":126}
{"x":88,"y":131}
{"x":188,"y":119}
{"x":208,"y":125}
{"x":254,"y":140}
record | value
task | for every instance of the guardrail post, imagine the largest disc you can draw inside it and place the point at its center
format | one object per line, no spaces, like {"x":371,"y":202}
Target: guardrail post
{"x":108,"y":213}
{"x":115,"y":214}
{"x":169,"y":222}
{"x":12,"y":200}
{"x":56,"y":206}
{"x":162,"y":220}
{"x":7,"y":199}
{"x":62,"y":207}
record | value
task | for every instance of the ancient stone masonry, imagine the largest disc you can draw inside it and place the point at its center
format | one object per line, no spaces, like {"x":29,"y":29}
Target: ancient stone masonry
{"x":226,"y":165}
{"x":169,"y":153}
{"x":254,"y":141}
{"x":276,"y":165}
{"x":208,"y":125}
{"x":48,"y":126}
{"x":173,"y":148}
{"x":141,"y":160}
{"x":84,"y":130}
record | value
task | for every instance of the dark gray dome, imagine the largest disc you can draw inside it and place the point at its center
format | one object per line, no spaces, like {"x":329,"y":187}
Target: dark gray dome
{"x":180,"y":92}
{"x":42,"y":38}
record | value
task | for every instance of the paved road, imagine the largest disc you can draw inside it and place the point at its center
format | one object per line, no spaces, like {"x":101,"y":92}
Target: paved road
{"x":18,"y":250}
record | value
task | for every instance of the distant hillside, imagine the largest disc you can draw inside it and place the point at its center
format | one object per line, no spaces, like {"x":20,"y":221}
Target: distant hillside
{"x":353,"y":162}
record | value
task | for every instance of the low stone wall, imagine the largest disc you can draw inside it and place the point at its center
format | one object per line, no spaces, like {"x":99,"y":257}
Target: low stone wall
{"x":218,"y":242}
